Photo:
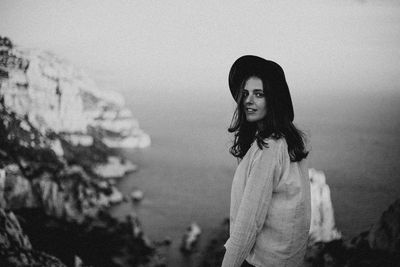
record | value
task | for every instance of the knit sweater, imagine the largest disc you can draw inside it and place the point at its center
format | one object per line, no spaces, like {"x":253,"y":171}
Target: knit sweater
{"x":270,"y":209}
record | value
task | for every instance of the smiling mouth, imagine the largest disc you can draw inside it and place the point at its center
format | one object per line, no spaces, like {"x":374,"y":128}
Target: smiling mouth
{"x":250,"y":110}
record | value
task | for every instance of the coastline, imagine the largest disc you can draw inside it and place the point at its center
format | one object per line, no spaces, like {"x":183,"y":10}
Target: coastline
{"x":58,"y":166}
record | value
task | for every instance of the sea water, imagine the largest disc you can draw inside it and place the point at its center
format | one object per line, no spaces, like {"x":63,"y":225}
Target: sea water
{"x":186,"y":174}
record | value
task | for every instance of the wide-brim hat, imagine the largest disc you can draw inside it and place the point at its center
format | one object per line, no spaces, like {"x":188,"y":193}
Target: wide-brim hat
{"x":267,"y":70}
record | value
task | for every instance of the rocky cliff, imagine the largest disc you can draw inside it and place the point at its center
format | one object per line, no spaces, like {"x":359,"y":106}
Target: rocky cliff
{"x":56,"y":96}
{"x":16,"y":248}
{"x":377,"y":247}
{"x":56,"y":133}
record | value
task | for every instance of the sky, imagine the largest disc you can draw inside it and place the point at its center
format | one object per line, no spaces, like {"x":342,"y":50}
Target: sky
{"x":325,"y":47}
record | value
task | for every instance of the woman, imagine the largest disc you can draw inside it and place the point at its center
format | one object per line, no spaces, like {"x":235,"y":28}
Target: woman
{"x":270,"y":198}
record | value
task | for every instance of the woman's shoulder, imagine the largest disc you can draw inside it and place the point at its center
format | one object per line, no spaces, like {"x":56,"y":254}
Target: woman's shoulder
{"x":271,"y":152}
{"x":278,"y":143}
{"x":270,"y":147}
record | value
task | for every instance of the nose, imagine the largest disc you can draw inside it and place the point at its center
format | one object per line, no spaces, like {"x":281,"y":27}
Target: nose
{"x":248,"y":99}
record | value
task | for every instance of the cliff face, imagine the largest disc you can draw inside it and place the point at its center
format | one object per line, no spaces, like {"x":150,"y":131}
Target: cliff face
{"x":56,"y":131}
{"x":377,"y":247}
{"x":384,"y":235}
{"x":33,"y":175}
{"x":16,"y":248}
{"x":56,"y":96}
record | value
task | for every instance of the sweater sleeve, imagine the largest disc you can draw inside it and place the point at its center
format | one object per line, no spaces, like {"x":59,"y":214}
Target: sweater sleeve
{"x":254,"y":205}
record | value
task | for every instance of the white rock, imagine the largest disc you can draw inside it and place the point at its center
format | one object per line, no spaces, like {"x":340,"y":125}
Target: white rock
{"x":114,"y":168}
{"x":144,"y":141}
{"x":116,"y":196}
{"x":137,"y":195}
{"x":125,"y":113}
{"x":56,"y":102}
{"x":24,"y":125}
{"x":128,"y":142}
{"x":103,"y":184}
{"x":322,"y":215}
{"x":109,"y":115}
{"x":57,"y":147}
{"x":108,"y":96}
{"x":116,"y":125}
{"x":59,"y":97}
{"x":190,"y":237}
{"x":80,"y":139}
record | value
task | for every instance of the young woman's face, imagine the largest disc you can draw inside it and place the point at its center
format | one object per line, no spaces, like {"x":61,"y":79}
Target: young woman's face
{"x":254,"y":102}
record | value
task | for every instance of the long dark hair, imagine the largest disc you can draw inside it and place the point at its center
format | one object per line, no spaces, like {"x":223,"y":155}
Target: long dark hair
{"x":276,"y":124}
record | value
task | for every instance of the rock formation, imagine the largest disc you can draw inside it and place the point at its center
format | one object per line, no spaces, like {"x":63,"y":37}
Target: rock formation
{"x":101,"y":241}
{"x":56,"y":96}
{"x":56,"y":131}
{"x":385,"y":234}
{"x":137,"y":195}
{"x":32,"y":175}
{"x":190,"y":238}
{"x":16,"y":249}
{"x":377,"y":247}
{"x":322,"y":226}
{"x":114,"y":168}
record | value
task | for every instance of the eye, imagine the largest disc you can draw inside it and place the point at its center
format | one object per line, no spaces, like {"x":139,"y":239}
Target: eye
{"x":259,"y":94}
{"x":245,"y":93}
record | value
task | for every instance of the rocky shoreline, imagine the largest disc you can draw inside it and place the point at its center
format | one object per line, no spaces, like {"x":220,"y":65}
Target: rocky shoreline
{"x":58,"y":165}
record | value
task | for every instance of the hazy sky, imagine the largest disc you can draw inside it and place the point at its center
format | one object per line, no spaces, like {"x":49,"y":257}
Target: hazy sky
{"x":322,"y":45}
